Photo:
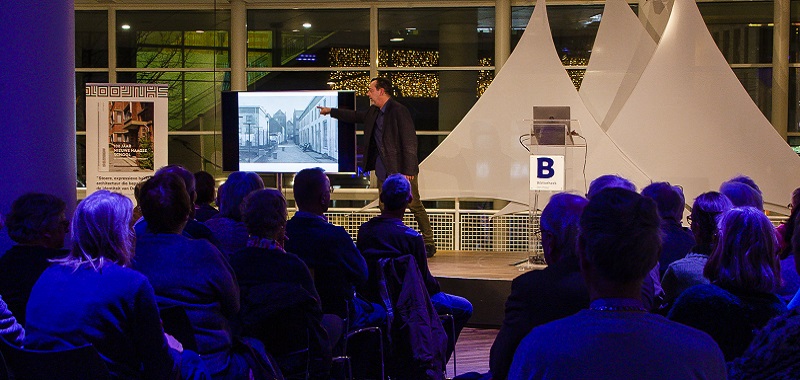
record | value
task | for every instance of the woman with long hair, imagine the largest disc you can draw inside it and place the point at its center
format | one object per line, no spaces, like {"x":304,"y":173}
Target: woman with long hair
{"x":744,"y":272}
{"x":92,"y":297}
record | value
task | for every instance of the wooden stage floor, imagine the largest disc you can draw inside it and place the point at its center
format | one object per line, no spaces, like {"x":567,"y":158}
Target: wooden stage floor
{"x":482,"y":277}
{"x":478,"y":265}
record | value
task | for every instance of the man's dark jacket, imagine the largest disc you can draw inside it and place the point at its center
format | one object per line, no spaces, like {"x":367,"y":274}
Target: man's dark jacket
{"x":536,"y":298}
{"x":399,"y":145}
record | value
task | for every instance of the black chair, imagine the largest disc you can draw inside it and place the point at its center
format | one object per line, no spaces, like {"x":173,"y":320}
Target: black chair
{"x":345,"y":358}
{"x":72,"y":364}
{"x":176,"y":323}
{"x":450,"y":322}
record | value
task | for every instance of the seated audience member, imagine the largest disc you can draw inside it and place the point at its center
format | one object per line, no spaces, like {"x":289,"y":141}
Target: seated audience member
{"x":652,"y":293}
{"x":790,"y":277}
{"x":227,"y":226}
{"x":193,"y":229}
{"x":271,"y":279}
{"x":774,"y":352}
{"x":742,"y":194}
{"x":616,"y":338}
{"x":204,"y":183}
{"x":676,"y":240}
{"x":744,"y":272}
{"x":387,"y":236}
{"x":187,"y":273}
{"x":542,"y":296}
{"x":795,"y":246}
{"x":688,"y":271}
{"x":10,"y":330}
{"x":91,"y":297}
{"x":38,"y":225}
{"x":329,"y":250}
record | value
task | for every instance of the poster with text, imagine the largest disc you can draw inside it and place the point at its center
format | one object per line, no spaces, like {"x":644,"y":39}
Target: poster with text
{"x":126,"y":134}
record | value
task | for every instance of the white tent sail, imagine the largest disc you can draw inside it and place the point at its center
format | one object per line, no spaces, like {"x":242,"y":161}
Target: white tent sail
{"x":690,"y":122}
{"x":620,"y":54}
{"x":482,"y":156}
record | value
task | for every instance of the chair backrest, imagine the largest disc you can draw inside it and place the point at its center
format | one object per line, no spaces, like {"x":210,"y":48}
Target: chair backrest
{"x":76,"y":363}
{"x":176,"y":323}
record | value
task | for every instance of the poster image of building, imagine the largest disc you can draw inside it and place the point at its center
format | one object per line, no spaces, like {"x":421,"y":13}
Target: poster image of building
{"x":126,"y":126}
{"x":130,"y":136}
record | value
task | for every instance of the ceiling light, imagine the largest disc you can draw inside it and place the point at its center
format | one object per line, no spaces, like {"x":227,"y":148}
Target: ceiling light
{"x":125,"y":26}
{"x":397,"y":39}
{"x":199,"y":31}
{"x":306,"y":25}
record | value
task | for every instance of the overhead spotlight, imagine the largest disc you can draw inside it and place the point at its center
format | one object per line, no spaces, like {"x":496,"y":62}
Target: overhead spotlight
{"x":125,"y":26}
{"x":397,"y":39}
{"x":295,"y":30}
{"x":199,"y":31}
{"x":306,"y":25}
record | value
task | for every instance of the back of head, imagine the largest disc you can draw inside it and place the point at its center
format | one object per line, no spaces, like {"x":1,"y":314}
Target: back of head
{"x":742,"y":195}
{"x":620,"y":235}
{"x":747,"y":181}
{"x":309,"y":186}
{"x":101,"y":230}
{"x":165,"y":203}
{"x":183,"y":173}
{"x":204,"y":184}
{"x":33,"y":217}
{"x":385,"y":84}
{"x":745,"y":256}
{"x":561,"y":218}
{"x":396,"y":192}
{"x":669,"y":201}
{"x":237,"y":186}
{"x":796,"y":198}
{"x":706,"y":211}
{"x":264,"y":213}
{"x":608,"y":181}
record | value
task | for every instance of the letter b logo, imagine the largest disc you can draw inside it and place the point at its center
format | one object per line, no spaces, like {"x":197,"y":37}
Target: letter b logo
{"x":544,"y":167}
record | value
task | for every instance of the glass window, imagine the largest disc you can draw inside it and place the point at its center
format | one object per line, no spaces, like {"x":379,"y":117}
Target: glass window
{"x":758,"y":84}
{"x":193,"y":96}
{"x":574,"y":28}
{"x":80,"y":154}
{"x":430,"y":37}
{"x":794,"y":100}
{"x":173,"y":39}
{"x":197,"y":153}
{"x":81,"y":79}
{"x":742,"y":30}
{"x":91,"y":39}
{"x":308,"y":38}
{"x":794,"y":32}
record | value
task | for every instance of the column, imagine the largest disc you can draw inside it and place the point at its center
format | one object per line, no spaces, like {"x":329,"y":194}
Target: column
{"x":37,"y":132}
{"x":238,"y":46}
{"x":502,"y":33}
{"x":780,"y":68}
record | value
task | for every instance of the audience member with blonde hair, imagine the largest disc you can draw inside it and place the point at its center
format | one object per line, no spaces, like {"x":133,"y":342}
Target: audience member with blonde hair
{"x":227,"y":226}
{"x":744,"y":272}
{"x":92,"y":297}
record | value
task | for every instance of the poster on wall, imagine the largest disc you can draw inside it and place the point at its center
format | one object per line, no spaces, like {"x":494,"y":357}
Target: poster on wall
{"x":126,"y":134}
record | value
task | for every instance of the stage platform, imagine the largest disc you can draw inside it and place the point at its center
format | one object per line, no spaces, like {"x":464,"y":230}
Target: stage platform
{"x":483,"y":277}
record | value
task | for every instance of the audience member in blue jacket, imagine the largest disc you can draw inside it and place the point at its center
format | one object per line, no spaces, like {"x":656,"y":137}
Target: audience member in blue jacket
{"x":386,"y":236}
{"x":617,"y":338}
{"x":329,"y":251}
{"x":191,"y":274}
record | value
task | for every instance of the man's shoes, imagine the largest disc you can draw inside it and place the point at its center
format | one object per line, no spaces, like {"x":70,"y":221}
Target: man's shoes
{"x":430,"y":250}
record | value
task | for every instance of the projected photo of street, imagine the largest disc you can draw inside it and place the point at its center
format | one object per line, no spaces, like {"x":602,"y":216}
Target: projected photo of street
{"x":281,"y":131}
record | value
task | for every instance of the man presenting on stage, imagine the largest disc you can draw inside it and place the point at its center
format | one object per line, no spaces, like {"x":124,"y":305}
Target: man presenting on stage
{"x":391,"y":145}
